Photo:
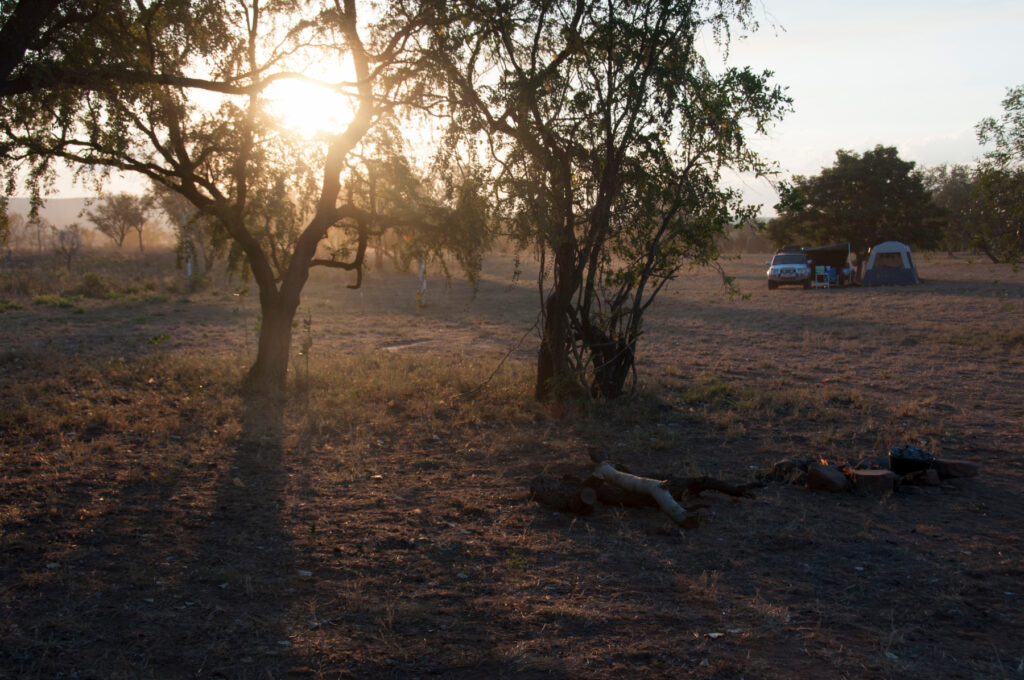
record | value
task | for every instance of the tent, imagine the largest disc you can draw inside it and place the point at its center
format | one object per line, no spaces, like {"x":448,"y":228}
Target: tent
{"x":890,"y":264}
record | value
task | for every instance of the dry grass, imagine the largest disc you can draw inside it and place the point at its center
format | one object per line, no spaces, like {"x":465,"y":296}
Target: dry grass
{"x":153,"y":524}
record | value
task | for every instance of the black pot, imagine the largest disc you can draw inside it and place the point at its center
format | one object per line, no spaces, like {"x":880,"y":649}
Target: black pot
{"x":904,"y":460}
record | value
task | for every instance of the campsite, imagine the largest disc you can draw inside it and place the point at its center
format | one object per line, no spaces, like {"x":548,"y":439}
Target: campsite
{"x":437,"y":340}
{"x":386,"y":530}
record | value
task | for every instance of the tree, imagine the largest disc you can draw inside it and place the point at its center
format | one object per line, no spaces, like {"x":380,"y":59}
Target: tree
{"x":41,"y":226}
{"x":999,"y":214}
{"x":51,"y":51}
{"x":120,"y":214}
{"x":67,"y":242}
{"x":199,"y":240}
{"x":6,"y":226}
{"x":749,"y":236}
{"x":23,"y":25}
{"x":1000,"y":190}
{"x":609,"y":132}
{"x":1006,"y":132}
{"x":18,"y":228}
{"x":953,"y":190}
{"x":429,"y":219}
{"x":130,"y":105}
{"x":863,"y":199}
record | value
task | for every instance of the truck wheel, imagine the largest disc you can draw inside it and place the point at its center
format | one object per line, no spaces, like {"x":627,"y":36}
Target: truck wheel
{"x":772,"y":285}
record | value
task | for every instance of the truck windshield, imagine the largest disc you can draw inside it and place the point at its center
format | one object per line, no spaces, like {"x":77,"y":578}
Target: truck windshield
{"x":789,"y":258}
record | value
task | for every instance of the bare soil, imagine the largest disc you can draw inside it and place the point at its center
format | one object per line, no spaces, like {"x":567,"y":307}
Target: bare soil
{"x":155,"y":525}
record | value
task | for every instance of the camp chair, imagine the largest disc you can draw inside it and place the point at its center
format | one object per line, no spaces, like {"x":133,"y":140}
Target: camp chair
{"x":820,"y":277}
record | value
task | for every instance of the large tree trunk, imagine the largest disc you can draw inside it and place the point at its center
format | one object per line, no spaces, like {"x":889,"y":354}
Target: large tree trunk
{"x":985,"y":250}
{"x":612,"y":358}
{"x":616,"y":364}
{"x":269,"y":374}
{"x":552,"y":359}
{"x":554,"y":371}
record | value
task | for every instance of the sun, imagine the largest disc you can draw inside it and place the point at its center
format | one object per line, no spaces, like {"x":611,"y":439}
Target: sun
{"x":311,"y":113}
{"x":308,"y":111}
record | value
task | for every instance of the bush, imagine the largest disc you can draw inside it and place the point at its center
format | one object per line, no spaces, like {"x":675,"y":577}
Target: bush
{"x":53,"y":300}
{"x":95,"y":286}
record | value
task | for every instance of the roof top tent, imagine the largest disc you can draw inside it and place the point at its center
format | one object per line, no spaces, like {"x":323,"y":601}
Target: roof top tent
{"x":836,"y":256}
{"x":890,"y":264}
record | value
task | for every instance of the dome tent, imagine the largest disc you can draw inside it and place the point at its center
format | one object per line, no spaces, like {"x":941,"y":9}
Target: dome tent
{"x":890,"y":264}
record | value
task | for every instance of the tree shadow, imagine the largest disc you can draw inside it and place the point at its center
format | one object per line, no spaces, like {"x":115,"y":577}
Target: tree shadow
{"x":958,"y":288}
{"x":245,"y":563}
{"x":184,"y":575}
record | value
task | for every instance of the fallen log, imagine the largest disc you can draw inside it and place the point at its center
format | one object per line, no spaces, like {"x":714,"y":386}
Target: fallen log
{"x":567,"y":494}
{"x":613,"y":485}
{"x":616,"y":496}
{"x":648,"y":487}
{"x":683,"y":486}
{"x":695,"y":486}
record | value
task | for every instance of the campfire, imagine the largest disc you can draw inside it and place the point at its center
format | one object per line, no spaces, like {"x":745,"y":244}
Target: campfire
{"x":904,"y":467}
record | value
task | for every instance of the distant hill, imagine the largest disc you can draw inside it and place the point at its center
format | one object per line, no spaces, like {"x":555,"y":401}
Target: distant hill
{"x":58,"y":211}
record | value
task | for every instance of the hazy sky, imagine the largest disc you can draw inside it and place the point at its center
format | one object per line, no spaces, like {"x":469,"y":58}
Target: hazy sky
{"x":907,"y":73}
{"x":911,"y":74}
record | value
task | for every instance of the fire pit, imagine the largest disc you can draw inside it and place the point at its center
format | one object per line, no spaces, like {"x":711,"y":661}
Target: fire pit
{"x":905,"y":466}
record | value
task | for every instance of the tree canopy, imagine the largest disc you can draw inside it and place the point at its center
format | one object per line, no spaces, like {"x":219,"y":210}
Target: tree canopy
{"x":1000,"y":182}
{"x":1006,"y":132}
{"x":953,"y":190}
{"x":863,"y":199}
{"x":174,"y":90}
{"x":119,"y":214}
{"x":609,"y":131}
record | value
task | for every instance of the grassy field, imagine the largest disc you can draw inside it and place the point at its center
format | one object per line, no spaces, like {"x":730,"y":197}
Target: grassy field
{"x":154,"y":525}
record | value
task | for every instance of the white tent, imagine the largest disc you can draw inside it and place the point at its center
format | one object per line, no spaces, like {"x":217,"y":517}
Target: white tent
{"x":890,"y":264}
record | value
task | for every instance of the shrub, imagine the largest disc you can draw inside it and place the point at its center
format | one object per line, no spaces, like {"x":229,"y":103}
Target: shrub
{"x":95,"y":286}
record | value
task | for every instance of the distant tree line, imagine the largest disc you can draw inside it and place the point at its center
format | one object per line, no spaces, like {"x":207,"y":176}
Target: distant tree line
{"x":876,"y":196}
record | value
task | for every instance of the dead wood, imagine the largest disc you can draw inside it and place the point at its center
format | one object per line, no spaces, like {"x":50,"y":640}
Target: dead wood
{"x":610,"y":494}
{"x":649,"y":487}
{"x":612,"y":484}
{"x":694,"y":486}
{"x":677,"y":486}
{"x":567,"y":494}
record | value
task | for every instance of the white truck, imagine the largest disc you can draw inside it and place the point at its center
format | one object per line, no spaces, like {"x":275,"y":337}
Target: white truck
{"x":789,"y":267}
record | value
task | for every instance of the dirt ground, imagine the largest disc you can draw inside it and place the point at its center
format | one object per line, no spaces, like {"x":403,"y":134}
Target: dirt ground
{"x":152,"y":525}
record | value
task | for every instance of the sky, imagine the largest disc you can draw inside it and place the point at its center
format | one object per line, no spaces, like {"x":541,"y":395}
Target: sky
{"x":906,"y":73}
{"x":914,"y":74}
